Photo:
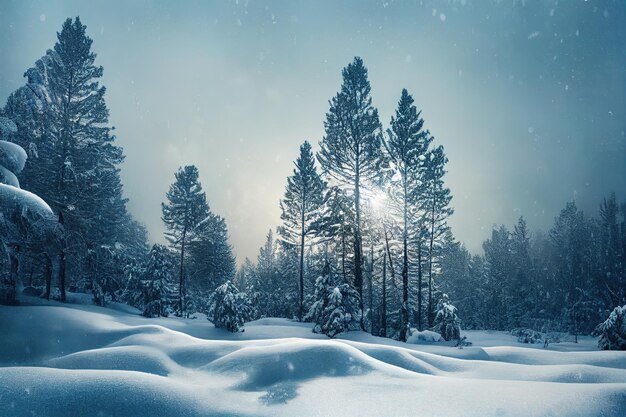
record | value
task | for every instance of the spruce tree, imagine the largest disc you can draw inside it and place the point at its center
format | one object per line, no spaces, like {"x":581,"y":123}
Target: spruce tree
{"x":211,"y":257}
{"x":437,"y":205}
{"x":228,"y":308}
{"x":351,"y":150}
{"x":157,"y":284}
{"x":186,"y":207}
{"x":447,"y":322}
{"x":300,"y":208}
{"x":407,"y":146}
{"x":74,"y":163}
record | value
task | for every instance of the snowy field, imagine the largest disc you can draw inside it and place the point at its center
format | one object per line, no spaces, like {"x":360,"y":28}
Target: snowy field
{"x":81,"y":360}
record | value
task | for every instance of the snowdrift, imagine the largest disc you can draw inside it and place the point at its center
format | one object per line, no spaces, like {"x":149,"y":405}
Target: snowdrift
{"x":76,"y":360}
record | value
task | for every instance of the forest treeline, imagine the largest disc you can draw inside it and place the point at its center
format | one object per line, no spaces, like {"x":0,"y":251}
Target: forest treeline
{"x":364,"y":240}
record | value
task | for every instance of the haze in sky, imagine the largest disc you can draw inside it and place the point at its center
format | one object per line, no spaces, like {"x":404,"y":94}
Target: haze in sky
{"x":528,"y":98}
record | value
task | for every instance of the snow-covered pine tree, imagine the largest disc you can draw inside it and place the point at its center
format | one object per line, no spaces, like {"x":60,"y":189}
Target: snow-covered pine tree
{"x":186,"y":207}
{"x":613,"y":249}
{"x":158,"y":283}
{"x":335,"y":227}
{"x":24,"y":217}
{"x":569,"y":236}
{"x":612,"y":331}
{"x":351,"y":150}
{"x":437,"y":205}
{"x":407,"y":147}
{"x":498,"y":267}
{"x":518,"y":291}
{"x":447,"y":323}
{"x":211,"y":260}
{"x":335,"y":308}
{"x":300,"y":208}
{"x":62,"y":121}
{"x":228,"y":308}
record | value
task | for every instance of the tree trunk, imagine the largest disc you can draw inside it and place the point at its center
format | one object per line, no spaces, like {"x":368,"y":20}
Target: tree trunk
{"x":181,"y":293}
{"x":301,"y":305}
{"x":343,"y":256}
{"x":48,"y":275}
{"x":358,"y":247}
{"x":404,"y":320}
{"x":14,"y":267}
{"x":430,"y":267}
{"x":383,"y":324}
{"x":370,"y":289}
{"x":419,"y":284}
{"x":62,"y":260}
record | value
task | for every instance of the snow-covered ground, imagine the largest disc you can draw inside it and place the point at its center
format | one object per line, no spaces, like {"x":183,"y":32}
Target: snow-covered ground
{"x":81,"y":360}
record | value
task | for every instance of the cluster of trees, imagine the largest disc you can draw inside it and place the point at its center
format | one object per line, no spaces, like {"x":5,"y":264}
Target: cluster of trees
{"x":56,"y":127}
{"x":363,"y":234}
{"x":73,"y":164}
{"x":364,"y":240}
{"x":565,"y":280}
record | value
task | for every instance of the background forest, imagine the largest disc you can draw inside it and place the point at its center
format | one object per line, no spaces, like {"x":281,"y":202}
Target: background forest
{"x":364,"y":240}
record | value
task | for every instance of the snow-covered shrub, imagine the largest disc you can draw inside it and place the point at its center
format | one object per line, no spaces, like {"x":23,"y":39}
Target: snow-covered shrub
{"x":528,"y":335}
{"x":415,"y":336}
{"x":612,"y":331}
{"x":335,"y":308}
{"x":228,"y":308}
{"x":447,"y":323}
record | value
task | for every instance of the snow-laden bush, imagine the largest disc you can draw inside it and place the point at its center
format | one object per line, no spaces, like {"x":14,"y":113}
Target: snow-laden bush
{"x":228,"y":308}
{"x":528,"y":335}
{"x":424,"y":336}
{"x":612,"y":331}
{"x":335,"y":309}
{"x":447,"y":323}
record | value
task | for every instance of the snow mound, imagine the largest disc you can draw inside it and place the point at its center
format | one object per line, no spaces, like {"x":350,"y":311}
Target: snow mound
{"x":71,"y":360}
{"x":424,"y":336}
{"x":297,"y":360}
{"x":126,"y":358}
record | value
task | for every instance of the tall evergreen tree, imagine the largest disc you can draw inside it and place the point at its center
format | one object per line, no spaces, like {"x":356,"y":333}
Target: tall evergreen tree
{"x":62,"y":121}
{"x":407,"y":146}
{"x":351,"y":150}
{"x":437,"y":203}
{"x":186,"y":207}
{"x":212,"y":262}
{"x":300,"y":208}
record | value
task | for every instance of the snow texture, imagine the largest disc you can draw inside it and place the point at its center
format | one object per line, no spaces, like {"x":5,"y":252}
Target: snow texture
{"x":12,"y":156}
{"x":63,"y":360}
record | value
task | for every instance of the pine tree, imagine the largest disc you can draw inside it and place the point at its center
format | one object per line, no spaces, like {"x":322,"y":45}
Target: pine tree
{"x":569,"y":236}
{"x":447,"y":323}
{"x":612,"y":331}
{"x":498,"y":268}
{"x":351,"y":150}
{"x":228,"y":308}
{"x":300,"y":209}
{"x":613,"y":273}
{"x":62,"y":121}
{"x":519,"y":286}
{"x":157,"y":283}
{"x":186,"y":207}
{"x":437,"y":200}
{"x":336,"y":307}
{"x":211,"y":262}
{"x":407,"y":146}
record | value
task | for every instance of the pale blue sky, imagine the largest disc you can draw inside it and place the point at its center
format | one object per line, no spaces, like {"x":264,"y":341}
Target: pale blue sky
{"x":528,"y":98}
